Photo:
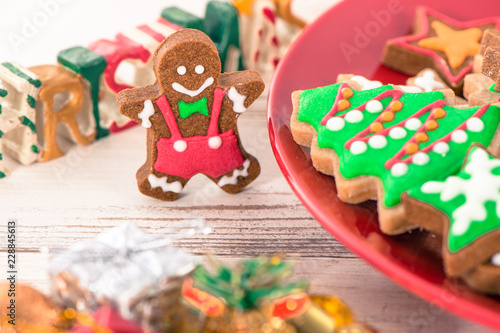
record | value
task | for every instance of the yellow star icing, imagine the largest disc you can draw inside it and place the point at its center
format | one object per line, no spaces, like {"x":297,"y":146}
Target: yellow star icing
{"x":456,"y":44}
{"x":243,"y":6}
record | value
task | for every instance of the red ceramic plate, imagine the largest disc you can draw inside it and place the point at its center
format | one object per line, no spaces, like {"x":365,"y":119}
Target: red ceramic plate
{"x":333,"y":45}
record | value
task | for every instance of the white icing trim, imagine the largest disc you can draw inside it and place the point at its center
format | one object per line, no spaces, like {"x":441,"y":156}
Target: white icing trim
{"x":233,"y":180}
{"x":374,"y":106}
{"x":399,"y":169}
{"x":215,"y":142}
{"x":420,"y":158}
{"x":428,"y":82}
{"x":192,"y":93}
{"x":481,"y":187}
{"x":238,"y":100}
{"x":441,"y":148}
{"x":175,"y":187}
{"x":358,"y":147}
{"x":365,"y":83}
{"x":413,"y":124}
{"x":335,"y":124}
{"x":354,"y":116}
{"x":411,"y":89}
{"x":146,"y":113}
{"x":180,"y":145}
{"x":397,"y":133}
{"x":377,"y":141}
{"x":495,"y":259}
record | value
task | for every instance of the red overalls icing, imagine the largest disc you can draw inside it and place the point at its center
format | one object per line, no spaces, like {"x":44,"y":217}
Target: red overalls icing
{"x":214,"y":154}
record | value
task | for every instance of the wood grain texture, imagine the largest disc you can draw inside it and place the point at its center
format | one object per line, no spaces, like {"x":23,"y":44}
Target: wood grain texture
{"x":92,"y":189}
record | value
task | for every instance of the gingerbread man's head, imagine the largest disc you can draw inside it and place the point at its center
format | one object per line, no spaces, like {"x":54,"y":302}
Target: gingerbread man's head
{"x":187,"y":66}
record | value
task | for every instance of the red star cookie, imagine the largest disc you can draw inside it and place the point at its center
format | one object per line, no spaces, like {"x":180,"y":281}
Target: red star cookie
{"x":439,"y":42}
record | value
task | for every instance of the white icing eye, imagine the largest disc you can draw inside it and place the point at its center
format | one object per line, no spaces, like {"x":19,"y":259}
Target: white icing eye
{"x":199,"y":69}
{"x":181,"y":70}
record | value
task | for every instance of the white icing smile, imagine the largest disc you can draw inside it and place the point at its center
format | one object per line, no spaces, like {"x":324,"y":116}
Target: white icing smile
{"x":180,"y":88}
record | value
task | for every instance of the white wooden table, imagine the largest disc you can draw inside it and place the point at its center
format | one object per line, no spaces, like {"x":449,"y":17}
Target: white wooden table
{"x":93,"y":189}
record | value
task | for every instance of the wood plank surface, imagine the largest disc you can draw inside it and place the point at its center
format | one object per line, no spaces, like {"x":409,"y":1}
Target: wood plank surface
{"x":93,"y":189}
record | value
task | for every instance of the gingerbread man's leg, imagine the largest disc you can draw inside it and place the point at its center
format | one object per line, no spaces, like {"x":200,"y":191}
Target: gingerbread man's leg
{"x":236,"y":180}
{"x":159,"y":185}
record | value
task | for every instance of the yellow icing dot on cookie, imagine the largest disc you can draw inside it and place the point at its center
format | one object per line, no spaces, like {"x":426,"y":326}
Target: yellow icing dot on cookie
{"x":422,"y":137}
{"x":396,"y":106}
{"x":387,"y":116}
{"x":456,"y":44}
{"x":347,"y":93}
{"x":431,"y":125}
{"x":438,"y":113}
{"x":344,"y":104}
{"x":376,"y":127}
{"x":411,"y":148}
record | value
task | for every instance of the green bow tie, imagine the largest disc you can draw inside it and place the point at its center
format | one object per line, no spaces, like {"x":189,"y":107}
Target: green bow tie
{"x":187,"y":109}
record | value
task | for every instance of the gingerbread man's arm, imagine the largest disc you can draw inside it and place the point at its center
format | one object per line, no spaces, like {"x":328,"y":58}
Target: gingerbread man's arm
{"x":243,"y":88}
{"x":133,"y":102}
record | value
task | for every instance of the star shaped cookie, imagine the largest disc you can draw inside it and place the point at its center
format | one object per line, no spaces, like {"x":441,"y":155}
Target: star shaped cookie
{"x":439,"y":42}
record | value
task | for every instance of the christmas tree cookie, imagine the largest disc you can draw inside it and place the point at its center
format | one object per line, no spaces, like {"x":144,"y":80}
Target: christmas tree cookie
{"x":380,"y":143}
{"x":467,"y":207}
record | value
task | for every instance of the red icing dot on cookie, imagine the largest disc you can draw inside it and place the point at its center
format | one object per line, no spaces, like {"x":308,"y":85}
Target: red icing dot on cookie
{"x":261,"y":32}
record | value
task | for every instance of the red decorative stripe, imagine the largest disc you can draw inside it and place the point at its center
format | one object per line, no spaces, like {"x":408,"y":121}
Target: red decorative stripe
{"x":335,"y":108}
{"x":152,"y":33}
{"x":270,"y":14}
{"x":402,"y":152}
{"x":169,"y":24}
{"x":447,"y":138}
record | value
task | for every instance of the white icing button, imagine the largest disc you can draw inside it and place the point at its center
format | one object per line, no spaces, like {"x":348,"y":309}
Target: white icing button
{"x":354,"y":116}
{"x":459,"y":136}
{"x":335,"y":124}
{"x":397,"y":133}
{"x":374,"y":106}
{"x":420,"y":158}
{"x":180,"y":145}
{"x":441,"y":148}
{"x":413,"y":124}
{"x":199,"y":69}
{"x":358,"y":147}
{"x":215,"y":142}
{"x":495,"y":259}
{"x":181,"y":70}
{"x":475,"y":124}
{"x":377,"y":141}
{"x":399,"y":169}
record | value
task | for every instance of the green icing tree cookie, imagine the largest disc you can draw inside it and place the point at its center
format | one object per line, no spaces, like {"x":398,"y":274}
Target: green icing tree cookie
{"x":403,"y":139}
{"x":470,"y":199}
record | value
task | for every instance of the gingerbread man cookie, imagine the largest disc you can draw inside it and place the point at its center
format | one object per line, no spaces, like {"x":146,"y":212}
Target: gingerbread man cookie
{"x":190,"y":113}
